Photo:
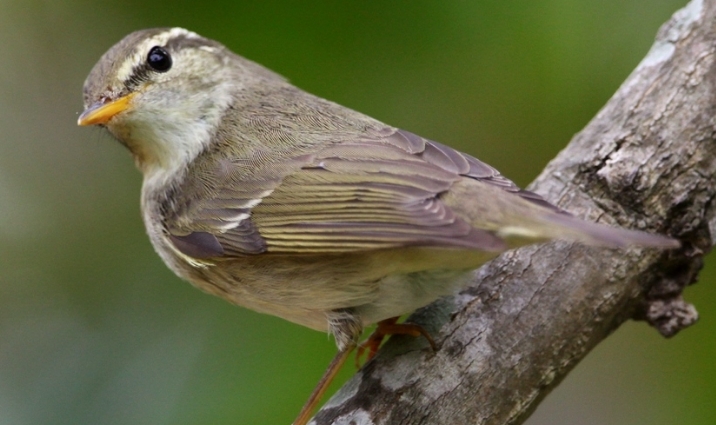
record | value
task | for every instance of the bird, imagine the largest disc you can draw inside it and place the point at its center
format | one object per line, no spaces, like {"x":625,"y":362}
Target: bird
{"x":288,"y":204}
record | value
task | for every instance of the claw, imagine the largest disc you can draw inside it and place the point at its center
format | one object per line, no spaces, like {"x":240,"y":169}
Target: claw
{"x":383,"y":329}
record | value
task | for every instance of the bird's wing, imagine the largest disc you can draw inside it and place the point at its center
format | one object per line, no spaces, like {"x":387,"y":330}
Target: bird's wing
{"x":381,"y":190}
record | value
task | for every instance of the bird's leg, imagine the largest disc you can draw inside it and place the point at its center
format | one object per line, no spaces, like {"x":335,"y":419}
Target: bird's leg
{"x":346,"y":327}
{"x":305,"y":414}
{"x":390,"y":327}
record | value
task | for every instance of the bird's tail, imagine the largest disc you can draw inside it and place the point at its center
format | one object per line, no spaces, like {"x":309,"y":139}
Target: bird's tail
{"x":524,"y":218}
{"x":567,"y":227}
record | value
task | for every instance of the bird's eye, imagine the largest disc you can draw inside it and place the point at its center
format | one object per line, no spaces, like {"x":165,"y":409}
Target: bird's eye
{"x":159,"y":59}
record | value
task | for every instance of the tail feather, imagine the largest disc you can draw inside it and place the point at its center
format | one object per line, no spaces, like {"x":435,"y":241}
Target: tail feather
{"x":526,"y":218}
{"x":568,"y":227}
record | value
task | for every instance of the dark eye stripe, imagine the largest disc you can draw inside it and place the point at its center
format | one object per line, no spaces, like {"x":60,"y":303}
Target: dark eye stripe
{"x":142,"y":71}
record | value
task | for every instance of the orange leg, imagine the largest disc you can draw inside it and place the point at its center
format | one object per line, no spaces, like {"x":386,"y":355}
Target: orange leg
{"x":384,"y":328}
{"x":305,"y":414}
{"x":389,"y":327}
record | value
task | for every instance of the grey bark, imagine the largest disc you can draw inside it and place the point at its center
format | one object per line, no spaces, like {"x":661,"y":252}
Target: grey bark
{"x":647,"y":161}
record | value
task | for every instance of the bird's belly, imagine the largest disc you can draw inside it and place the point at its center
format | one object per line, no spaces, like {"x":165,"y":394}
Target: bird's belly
{"x":399,"y":294}
{"x":308,"y":290}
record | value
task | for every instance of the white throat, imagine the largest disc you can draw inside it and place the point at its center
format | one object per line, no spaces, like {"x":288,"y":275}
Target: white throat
{"x":166,"y":138}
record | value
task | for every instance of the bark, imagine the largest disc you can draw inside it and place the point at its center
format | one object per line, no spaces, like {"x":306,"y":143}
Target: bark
{"x":645,"y":161}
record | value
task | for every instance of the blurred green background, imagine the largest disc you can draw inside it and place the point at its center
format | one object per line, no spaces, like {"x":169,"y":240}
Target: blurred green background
{"x":95,"y":330}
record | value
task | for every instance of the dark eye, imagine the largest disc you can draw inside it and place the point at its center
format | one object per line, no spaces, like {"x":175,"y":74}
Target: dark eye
{"x":159,"y":59}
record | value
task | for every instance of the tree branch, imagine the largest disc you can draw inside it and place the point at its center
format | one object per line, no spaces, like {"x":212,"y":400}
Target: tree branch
{"x":645,"y":161}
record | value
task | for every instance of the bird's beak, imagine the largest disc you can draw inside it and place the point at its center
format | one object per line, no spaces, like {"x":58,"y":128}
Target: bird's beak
{"x":104,"y":110}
